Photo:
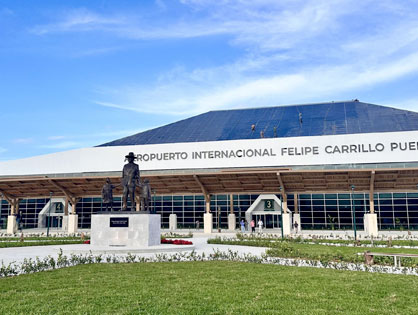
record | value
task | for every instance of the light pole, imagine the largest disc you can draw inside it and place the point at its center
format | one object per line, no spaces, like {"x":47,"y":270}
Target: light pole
{"x":49,"y":213}
{"x":239,"y":214}
{"x":219,"y":219}
{"x":153,"y":201}
{"x":354,"y":212}
{"x":281,"y":211}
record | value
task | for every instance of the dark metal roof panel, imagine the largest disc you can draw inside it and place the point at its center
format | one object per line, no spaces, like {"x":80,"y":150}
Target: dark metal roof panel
{"x":335,"y":118}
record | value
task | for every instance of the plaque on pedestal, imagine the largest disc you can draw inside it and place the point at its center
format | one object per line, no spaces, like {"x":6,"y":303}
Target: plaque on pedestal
{"x":126,"y":228}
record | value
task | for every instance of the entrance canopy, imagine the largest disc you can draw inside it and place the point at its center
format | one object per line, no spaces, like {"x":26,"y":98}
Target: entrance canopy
{"x":237,"y":181}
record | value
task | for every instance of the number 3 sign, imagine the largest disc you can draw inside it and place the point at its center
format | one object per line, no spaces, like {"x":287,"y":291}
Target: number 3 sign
{"x":269,"y":205}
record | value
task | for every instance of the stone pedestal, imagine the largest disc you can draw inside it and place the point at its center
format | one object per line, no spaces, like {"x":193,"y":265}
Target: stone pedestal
{"x":131,"y":229}
{"x":370,"y":224}
{"x":172,"y":223}
{"x":287,"y":223}
{"x":296,"y":218}
{"x":207,"y":223}
{"x":11,"y":224}
{"x":72,"y":223}
{"x":232,"y":222}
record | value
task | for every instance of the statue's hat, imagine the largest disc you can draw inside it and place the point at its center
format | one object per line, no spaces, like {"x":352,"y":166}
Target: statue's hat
{"x":131,"y":155}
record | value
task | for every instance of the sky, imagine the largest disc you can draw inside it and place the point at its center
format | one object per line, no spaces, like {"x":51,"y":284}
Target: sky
{"x":79,"y":73}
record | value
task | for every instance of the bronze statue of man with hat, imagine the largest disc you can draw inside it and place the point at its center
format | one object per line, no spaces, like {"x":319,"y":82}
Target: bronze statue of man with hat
{"x":130,"y":178}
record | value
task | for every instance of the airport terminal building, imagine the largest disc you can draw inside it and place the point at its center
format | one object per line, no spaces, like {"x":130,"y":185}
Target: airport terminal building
{"x":326,"y":166}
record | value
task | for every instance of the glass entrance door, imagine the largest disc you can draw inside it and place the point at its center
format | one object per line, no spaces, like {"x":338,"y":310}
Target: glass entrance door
{"x":270,"y":221}
{"x":54,"y":221}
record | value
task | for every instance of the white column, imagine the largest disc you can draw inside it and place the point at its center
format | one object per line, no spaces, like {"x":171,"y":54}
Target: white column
{"x":296,"y":218}
{"x":65,"y":223}
{"x":370,"y":224}
{"x":72,"y":223}
{"x":232,"y":222}
{"x":207,"y":223}
{"x":172,"y":222}
{"x":287,"y":223}
{"x":11,"y":224}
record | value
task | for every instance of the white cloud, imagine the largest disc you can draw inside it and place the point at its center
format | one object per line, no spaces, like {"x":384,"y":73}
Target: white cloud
{"x":316,"y":82}
{"x":96,"y":51}
{"x":107,"y":104}
{"x":265,"y":23}
{"x":292,"y":51}
{"x":22,"y":140}
{"x":80,"y":20}
{"x":86,"y":140}
{"x":116,"y":133}
{"x":408,"y":104}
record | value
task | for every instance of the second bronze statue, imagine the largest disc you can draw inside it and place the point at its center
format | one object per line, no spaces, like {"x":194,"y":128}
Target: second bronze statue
{"x":107,"y":195}
{"x":145,"y":195}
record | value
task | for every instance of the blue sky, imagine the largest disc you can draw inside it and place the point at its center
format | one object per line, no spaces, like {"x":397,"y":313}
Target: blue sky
{"x":76,"y":74}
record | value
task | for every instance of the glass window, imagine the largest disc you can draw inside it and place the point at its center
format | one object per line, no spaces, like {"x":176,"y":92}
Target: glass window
{"x":386,"y":211}
{"x":331,"y":196}
{"x":385,"y":201}
{"x":344,"y":202}
{"x":343,"y":196}
{"x":329,"y":202}
{"x":305,"y":209}
{"x":412,"y":201}
{"x":385,"y":195}
{"x":305,"y":202}
{"x":399,"y":201}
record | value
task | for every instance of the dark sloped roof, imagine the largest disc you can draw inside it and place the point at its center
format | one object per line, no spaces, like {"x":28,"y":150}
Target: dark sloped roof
{"x":337,"y":118}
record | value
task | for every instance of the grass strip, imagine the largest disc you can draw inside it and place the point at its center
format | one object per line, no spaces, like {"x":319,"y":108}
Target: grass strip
{"x":273,"y":237}
{"x":176,"y":235}
{"x":39,"y":243}
{"x":320,"y":252}
{"x":41,"y":238}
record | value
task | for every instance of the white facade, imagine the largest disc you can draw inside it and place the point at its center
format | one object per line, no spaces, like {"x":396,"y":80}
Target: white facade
{"x":390,"y":147}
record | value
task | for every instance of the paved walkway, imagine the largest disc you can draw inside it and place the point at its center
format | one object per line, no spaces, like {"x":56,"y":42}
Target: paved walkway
{"x":200,"y":245}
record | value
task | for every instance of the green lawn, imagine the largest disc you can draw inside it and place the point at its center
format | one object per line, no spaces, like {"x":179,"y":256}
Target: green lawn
{"x":207,"y":288}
